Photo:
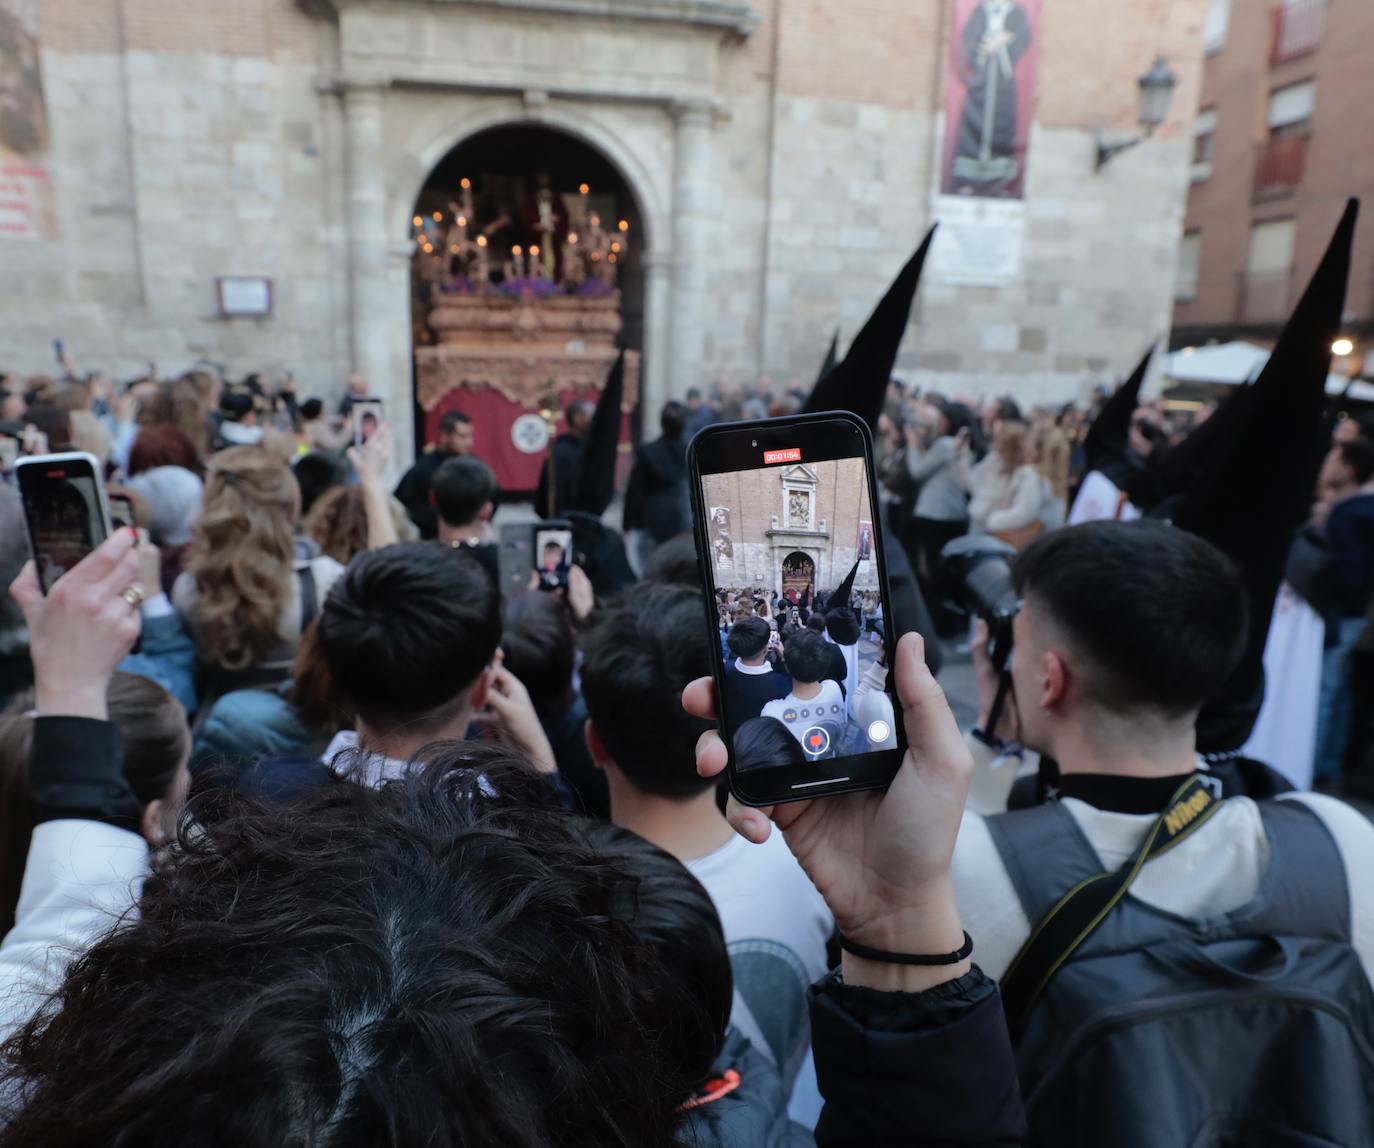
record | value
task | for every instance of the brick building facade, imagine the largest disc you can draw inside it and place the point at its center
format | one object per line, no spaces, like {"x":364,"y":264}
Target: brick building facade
{"x":789,"y":523}
{"x":1282,"y":133}
{"x":784,"y":158}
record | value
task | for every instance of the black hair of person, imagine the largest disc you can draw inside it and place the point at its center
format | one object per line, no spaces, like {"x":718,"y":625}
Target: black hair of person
{"x":815,"y":622}
{"x":637,"y":658}
{"x":806,"y":656}
{"x":312,"y":409}
{"x":540,"y":649}
{"x":460,"y":488}
{"x":841,"y":625}
{"x":1158,"y":614}
{"x":763,"y":742}
{"x":673,"y":419}
{"x":413,"y":964}
{"x":748,"y":638}
{"x":674,"y":561}
{"x":316,"y":473}
{"x":408,"y":629}
{"x":452,"y":419}
{"x":1358,"y":455}
{"x":676,"y":918}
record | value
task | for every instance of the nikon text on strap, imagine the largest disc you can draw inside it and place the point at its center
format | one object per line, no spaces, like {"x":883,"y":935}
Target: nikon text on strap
{"x":1080,"y":911}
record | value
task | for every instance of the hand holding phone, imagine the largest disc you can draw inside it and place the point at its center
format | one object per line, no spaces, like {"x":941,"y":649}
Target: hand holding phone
{"x":81,"y":629}
{"x":881,"y":860}
{"x":786,"y":506}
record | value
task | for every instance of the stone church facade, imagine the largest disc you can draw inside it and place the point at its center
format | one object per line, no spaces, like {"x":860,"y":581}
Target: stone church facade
{"x":790,"y":525}
{"x":784,"y":156}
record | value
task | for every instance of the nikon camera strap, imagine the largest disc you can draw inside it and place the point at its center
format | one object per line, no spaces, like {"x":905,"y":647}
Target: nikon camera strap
{"x":1079,"y":912}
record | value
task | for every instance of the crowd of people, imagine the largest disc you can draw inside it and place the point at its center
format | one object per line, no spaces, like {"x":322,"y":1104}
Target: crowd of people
{"x":329,"y":834}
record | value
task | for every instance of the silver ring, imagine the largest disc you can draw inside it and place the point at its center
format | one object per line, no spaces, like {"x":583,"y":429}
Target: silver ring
{"x":133,"y":594}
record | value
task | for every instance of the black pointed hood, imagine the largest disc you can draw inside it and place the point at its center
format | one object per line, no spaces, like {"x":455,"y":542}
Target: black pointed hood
{"x":1257,"y":487}
{"x":596,"y":474}
{"x":1192,"y":459}
{"x":832,"y":357}
{"x":859,"y":383}
{"x":840,"y":595}
{"x":1107,"y":437}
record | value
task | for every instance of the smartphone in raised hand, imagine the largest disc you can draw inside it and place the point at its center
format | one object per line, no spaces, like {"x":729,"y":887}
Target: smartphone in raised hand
{"x":65,"y":510}
{"x":536,"y":555}
{"x":789,"y":504}
{"x":368,"y":417}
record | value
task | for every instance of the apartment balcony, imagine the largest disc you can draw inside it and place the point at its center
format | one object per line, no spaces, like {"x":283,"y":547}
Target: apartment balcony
{"x":1280,"y":165}
{"x":1263,"y":297}
{"x":1298,"y":29}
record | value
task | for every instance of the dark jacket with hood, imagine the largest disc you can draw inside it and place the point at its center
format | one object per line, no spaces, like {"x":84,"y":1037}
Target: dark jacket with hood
{"x":656,"y":499}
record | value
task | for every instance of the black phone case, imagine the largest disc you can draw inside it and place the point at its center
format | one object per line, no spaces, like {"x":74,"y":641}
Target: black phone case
{"x":699,"y":533}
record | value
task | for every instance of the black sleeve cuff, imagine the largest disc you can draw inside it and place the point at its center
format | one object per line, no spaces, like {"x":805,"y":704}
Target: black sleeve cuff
{"x":929,"y":1069}
{"x":76,"y":771}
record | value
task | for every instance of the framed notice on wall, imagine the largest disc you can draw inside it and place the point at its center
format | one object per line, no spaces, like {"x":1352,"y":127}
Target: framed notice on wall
{"x":244,"y":296}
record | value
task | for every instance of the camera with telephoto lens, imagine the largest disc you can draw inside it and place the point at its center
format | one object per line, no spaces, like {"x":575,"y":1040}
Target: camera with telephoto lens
{"x":979,"y":569}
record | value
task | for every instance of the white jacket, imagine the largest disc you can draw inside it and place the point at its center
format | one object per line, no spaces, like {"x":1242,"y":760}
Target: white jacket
{"x":81,"y":878}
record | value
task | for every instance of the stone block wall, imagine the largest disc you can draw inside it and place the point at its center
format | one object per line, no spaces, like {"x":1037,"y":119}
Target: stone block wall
{"x":187,"y":144}
{"x":209,"y":138}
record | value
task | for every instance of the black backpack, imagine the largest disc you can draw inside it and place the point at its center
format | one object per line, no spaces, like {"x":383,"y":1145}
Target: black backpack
{"x":1249,"y":1029}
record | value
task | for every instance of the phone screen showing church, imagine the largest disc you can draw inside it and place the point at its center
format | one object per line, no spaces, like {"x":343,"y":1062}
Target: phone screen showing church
{"x":799,"y":606}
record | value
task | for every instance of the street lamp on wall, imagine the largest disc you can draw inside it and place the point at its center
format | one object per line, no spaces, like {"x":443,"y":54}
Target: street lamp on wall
{"x":1156,"y":94}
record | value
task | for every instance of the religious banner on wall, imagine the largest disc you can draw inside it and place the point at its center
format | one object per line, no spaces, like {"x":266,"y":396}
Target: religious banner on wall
{"x":991,"y":97}
{"x":26,"y":198}
{"x":989,"y":104}
{"x":721,"y":543}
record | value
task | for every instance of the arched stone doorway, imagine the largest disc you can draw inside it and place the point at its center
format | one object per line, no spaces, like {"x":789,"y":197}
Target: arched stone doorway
{"x":527,"y":276}
{"x":798,"y":575}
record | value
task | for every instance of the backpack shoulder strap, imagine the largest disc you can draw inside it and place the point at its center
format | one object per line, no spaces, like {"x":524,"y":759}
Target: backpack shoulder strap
{"x":310,"y":595}
{"x":1045,"y":854}
{"x":1078,"y":913}
{"x":1305,"y":888}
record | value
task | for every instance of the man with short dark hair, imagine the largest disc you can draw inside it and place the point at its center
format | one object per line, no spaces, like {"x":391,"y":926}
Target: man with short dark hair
{"x":637,"y":658}
{"x":815,"y":700}
{"x":456,"y":437}
{"x":463,"y":493}
{"x":410,"y":636}
{"x":750,"y":680}
{"x":1125,"y":631}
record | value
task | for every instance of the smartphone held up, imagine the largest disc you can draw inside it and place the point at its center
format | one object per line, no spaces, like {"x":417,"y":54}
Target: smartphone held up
{"x":791,"y":554}
{"x":65,"y":510}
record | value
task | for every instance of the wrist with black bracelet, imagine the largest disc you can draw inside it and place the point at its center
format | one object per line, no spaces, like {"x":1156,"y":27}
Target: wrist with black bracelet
{"x":910,"y":952}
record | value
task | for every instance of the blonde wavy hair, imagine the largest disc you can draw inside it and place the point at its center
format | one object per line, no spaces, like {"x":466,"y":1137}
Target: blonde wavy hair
{"x":1051,"y":448}
{"x":241,"y":556}
{"x":1010,"y":445}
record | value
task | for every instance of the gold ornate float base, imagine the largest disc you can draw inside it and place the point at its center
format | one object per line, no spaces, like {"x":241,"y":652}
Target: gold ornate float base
{"x":530,"y":351}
